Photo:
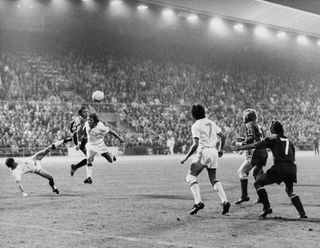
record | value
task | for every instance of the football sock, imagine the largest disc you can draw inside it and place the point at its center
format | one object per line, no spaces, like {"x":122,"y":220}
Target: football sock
{"x":219,"y":189}
{"x":297,"y":204}
{"x":82,"y":163}
{"x":244,"y":187}
{"x":89,"y":170}
{"x":58,"y":143}
{"x":195,"y":189}
{"x":263,"y":196}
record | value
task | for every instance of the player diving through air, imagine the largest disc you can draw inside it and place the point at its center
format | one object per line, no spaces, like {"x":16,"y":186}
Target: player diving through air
{"x":33,"y":165}
{"x":96,"y":132}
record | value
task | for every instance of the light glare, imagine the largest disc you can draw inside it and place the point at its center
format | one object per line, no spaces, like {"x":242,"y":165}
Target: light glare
{"x":192,"y":17}
{"x":262,"y":32}
{"x":142,"y":7}
{"x":239,"y":27}
{"x":281,"y":35}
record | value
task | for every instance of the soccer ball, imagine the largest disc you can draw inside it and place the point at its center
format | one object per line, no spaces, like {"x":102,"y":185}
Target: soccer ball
{"x":97,"y":96}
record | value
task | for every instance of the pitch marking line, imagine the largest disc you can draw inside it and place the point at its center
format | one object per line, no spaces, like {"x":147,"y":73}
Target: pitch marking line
{"x":117,"y":237}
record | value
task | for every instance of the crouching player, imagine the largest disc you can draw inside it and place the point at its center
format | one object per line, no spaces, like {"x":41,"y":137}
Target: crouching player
{"x":283,"y":170}
{"x":33,"y":165}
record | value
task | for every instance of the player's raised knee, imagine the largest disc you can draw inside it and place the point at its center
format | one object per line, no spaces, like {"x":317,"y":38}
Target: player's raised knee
{"x":191,"y":180}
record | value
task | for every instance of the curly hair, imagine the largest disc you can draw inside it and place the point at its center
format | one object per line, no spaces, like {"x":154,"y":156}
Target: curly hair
{"x":276,"y":127}
{"x":198,"y":112}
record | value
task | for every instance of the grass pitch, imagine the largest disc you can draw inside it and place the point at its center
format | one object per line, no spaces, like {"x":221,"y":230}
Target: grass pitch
{"x":143,"y":202}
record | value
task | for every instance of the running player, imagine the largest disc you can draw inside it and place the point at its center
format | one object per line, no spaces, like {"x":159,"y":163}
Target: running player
{"x":205,"y":135}
{"x":283,"y":170}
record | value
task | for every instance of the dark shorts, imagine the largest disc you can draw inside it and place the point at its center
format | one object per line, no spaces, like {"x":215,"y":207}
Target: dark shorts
{"x":82,"y":145}
{"x":259,"y":157}
{"x":282,"y":172}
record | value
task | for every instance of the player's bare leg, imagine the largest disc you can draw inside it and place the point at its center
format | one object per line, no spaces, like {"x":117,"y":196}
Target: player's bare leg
{"x":217,"y":185}
{"x":45,"y":174}
{"x":108,"y":156}
{"x":243,"y":175}
{"x":39,"y":155}
{"x":194,"y":171}
{"x":257,"y":172}
{"x":83,"y":162}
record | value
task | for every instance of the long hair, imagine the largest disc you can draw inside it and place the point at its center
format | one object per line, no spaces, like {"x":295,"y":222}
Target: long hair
{"x":95,"y":117}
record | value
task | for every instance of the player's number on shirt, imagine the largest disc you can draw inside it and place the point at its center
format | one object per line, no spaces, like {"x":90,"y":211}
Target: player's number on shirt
{"x":210,"y":128}
{"x":287,"y":145}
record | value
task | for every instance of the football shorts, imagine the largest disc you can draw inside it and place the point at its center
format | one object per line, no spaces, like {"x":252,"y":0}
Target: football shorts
{"x":207,"y":157}
{"x":96,"y":149}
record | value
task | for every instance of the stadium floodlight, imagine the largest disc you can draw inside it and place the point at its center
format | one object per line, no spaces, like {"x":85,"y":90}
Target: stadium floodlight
{"x":281,"y":35}
{"x":142,"y":7}
{"x":169,"y":16}
{"x":301,"y":39}
{"x":192,"y":18}
{"x":116,"y":2}
{"x":238,"y":27}
{"x":167,"y":12}
{"x":262,"y":32}
{"x":216,"y":22}
{"x":218,"y":26}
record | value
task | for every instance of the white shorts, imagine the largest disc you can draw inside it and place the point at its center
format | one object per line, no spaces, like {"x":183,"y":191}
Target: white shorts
{"x":207,"y":156}
{"x":92,"y":150}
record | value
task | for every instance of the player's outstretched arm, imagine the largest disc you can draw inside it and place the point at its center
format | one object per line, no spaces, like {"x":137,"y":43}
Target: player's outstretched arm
{"x":193,"y":148}
{"x":116,"y":135}
{"x":21,"y":188}
{"x":243,"y":147}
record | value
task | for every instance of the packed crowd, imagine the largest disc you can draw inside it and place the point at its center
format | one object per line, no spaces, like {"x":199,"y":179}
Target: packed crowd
{"x":40,"y":94}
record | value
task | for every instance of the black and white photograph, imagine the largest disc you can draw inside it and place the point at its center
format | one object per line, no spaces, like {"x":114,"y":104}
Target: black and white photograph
{"x":159,"y":123}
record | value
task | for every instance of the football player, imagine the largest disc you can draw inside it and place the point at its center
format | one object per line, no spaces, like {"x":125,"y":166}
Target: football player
{"x":96,"y":132}
{"x":256,"y":158}
{"x":206,"y":135}
{"x":79,"y":137}
{"x":283,"y":170}
{"x":33,"y":165}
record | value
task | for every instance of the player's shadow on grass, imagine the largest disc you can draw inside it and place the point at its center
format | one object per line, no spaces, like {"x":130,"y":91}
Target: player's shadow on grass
{"x":270,"y":218}
{"x":168,"y":197}
{"x":279,"y":218}
{"x":304,"y":204}
{"x":60,"y":195}
{"x":307,"y":185}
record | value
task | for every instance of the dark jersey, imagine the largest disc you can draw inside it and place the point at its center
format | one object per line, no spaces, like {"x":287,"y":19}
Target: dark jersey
{"x":255,"y":134}
{"x":284,"y":168}
{"x":77,"y":128}
{"x":281,"y":147}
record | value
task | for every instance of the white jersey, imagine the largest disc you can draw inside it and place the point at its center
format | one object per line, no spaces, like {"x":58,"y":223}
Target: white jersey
{"x":206,"y":130}
{"x":96,"y":135}
{"x":26,"y":165}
